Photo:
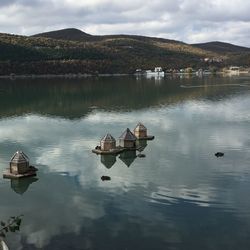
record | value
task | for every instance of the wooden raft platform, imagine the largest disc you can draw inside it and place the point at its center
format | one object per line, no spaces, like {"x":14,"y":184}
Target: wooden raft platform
{"x":149,"y":138}
{"x":8,"y":175}
{"x":111,"y":152}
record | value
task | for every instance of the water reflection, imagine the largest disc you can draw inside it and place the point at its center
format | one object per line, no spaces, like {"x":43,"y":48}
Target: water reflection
{"x":128,"y":157}
{"x":20,"y":186}
{"x":180,"y":197}
{"x":141,"y":145}
{"x":108,"y":160}
{"x":79,"y":97}
{"x":158,"y":80}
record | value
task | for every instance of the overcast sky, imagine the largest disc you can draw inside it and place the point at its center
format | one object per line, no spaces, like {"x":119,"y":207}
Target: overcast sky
{"x":191,"y":21}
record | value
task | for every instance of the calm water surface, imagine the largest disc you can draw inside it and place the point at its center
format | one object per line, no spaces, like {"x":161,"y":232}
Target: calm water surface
{"x":179,"y":197}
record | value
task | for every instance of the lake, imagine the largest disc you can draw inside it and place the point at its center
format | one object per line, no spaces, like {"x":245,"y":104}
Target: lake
{"x":180,"y":196}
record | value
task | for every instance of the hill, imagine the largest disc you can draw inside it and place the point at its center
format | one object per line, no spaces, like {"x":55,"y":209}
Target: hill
{"x":73,"y":51}
{"x":70,"y":34}
{"x":220,"y":47}
{"x":73,"y":34}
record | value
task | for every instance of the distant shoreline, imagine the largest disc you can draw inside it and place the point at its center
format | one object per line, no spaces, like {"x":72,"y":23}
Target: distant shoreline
{"x":79,"y":76}
{"x":51,"y":76}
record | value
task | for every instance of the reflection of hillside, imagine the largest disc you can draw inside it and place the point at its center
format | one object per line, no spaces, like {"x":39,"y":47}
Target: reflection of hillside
{"x":76,"y":97}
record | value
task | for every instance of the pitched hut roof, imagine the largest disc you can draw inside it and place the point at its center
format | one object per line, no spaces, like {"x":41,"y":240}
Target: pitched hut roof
{"x":140,"y":127}
{"x":19,"y":157}
{"x":128,"y":135}
{"x":108,"y":137}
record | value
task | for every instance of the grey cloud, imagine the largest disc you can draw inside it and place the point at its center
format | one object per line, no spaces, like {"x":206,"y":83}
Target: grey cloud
{"x":29,"y":3}
{"x":190,"y":21}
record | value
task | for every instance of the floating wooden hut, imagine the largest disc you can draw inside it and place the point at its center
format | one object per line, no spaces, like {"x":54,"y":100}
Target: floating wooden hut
{"x":108,"y":142}
{"x":19,"y":166}
{"x":19,"y":163}
{"x":127,"y":139}
{"x":140,"y":131}
{"x":107,"y":146}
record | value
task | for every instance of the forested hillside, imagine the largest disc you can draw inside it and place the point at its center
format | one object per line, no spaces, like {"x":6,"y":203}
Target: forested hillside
{"x":73,"y":51}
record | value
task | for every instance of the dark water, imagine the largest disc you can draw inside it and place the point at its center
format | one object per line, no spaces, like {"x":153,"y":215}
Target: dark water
{"x":179,"y":197}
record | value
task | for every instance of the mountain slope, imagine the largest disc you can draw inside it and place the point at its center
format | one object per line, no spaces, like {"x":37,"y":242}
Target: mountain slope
{"x":70,"y":34}
{"x":123,"y":41}
{"x":73,"y":51}
{"x":221,"y":47}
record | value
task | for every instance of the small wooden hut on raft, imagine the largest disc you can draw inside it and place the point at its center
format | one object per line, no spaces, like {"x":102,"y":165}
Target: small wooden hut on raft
{"x":127,"y":139}
{"x":140,"y":131}
{"x":19,"y":167}
{"x":108,"y":142}
{"x":19,"y":163}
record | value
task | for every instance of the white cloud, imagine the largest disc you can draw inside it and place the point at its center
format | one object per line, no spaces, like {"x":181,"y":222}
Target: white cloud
{"x":189,"y":21}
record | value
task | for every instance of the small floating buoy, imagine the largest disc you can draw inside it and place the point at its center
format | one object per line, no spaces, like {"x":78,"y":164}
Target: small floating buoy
{"x":141,"y":155}
{"x":105,"y":178}
{"x":219,"y":154}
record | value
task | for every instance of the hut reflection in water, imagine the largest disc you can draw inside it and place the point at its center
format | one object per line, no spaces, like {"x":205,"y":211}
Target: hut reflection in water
{"x":20,"y":186}
{"x":128,"y":157}
{"x":108,"y":160}
{"x":141,"y":145}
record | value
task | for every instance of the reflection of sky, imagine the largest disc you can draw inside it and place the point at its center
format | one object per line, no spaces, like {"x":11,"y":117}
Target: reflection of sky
{"x":179,"y":172}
